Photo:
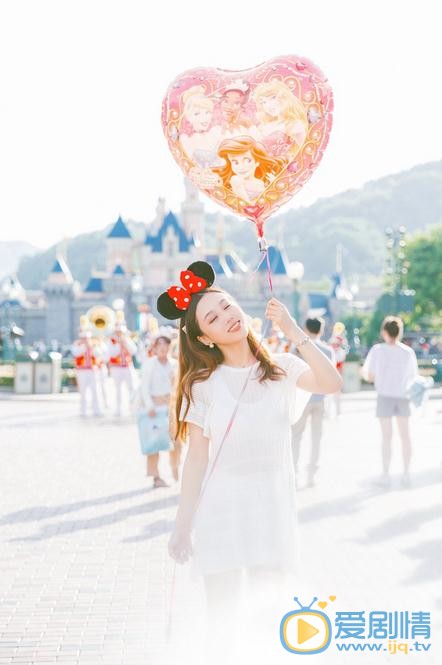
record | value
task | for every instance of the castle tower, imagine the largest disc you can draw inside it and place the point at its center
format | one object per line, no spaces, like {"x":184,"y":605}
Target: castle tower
{"x":220,"y":234}
{"x":119,"y":244}
{"x":160,"y":213}
{"x":192,"y":215}
{"x":166,"y":249}
{"x":60,"y":290}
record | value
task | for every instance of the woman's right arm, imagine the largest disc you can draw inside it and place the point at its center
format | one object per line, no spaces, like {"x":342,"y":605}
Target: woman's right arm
{"x":195,"y":465}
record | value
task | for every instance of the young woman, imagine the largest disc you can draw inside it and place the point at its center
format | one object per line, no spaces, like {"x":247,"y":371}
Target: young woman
{"x":245,"y":518}
{"x":157,"y":380}
{"x":392,"y":366}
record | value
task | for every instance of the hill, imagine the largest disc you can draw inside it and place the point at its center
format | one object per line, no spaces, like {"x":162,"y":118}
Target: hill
{"x":11,"y":253}
{"x":356,"y":219}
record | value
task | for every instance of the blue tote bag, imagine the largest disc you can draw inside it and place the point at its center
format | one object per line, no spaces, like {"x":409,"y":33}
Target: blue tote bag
{"x":154,"y":431}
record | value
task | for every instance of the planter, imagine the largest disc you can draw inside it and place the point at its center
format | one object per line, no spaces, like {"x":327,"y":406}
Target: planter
{"x":24,"y":378}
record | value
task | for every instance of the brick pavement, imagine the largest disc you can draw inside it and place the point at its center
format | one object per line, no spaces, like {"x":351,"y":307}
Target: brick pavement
{"x":84,"y":573}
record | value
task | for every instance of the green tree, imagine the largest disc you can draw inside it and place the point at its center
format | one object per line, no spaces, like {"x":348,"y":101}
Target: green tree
{"x":424,"y":253}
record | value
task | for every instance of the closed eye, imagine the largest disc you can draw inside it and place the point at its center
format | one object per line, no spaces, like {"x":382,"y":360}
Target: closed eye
{"x":215,"y":317}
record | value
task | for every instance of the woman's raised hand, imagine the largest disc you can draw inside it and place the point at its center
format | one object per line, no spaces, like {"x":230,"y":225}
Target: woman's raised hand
{"x":278,"y":313}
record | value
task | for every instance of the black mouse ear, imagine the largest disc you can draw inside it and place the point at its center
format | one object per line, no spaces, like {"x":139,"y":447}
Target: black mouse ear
{"x":167,"y":308}
{"x":203,"y":269}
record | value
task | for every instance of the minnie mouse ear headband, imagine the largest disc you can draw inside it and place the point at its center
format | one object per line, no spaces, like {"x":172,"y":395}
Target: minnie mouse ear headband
{"x":173,"y":303}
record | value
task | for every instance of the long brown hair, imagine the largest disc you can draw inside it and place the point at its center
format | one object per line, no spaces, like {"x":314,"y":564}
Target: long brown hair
{"x":197,"y":361}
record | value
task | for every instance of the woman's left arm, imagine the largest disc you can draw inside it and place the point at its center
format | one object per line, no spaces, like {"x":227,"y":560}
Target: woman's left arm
{"x":323,"y":377}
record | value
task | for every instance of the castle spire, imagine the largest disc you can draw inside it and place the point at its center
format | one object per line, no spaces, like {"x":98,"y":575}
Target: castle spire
{"x":60,"y":273}
{"x":220,"y":233}
{"x":192,"y":213}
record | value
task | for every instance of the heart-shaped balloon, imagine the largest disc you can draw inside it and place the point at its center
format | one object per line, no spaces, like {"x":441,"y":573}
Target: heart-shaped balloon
{"x":250,"y":139}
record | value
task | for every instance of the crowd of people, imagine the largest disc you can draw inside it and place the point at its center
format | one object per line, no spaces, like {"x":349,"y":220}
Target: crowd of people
{"x":390,"y":365}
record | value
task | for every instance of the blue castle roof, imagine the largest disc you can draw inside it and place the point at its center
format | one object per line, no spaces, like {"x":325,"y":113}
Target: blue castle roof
{"x":95,"y":285}
{"x":57,"y":267}
{"x":222,"y":265}
{"x":10,"y":303}
{"x":277,"y":260}
{"x":119,"y":230}
{"x":156,"y":241}
{"x":118,"y":270}
{"x":319,"y":301}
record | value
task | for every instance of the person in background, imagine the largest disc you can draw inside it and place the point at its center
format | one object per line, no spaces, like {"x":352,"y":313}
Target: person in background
{"x":314,"y":409}
{"x":121,"y":349}
{"x":102,"y":370}
{"x":392,"y":367}
{"x":87,"y":354}
{"x":158,"y":374}
{"x":339,"y":343}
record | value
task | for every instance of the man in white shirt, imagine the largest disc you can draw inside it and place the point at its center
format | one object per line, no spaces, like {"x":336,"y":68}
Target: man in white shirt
{"x":314,"y":409}
{"x":392,"y":367}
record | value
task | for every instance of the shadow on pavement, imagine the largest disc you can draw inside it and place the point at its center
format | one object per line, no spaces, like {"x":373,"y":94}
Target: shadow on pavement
{"x":66,"y":528}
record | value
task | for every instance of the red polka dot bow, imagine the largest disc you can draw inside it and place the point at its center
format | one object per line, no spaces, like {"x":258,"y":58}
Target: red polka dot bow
{"x":182,"y":295}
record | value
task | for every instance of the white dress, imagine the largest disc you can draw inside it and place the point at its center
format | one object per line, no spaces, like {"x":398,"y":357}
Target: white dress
{"x":247,"y":513}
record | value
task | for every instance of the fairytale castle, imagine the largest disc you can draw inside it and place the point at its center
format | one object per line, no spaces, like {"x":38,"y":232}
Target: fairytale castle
{"x":137,"y":271}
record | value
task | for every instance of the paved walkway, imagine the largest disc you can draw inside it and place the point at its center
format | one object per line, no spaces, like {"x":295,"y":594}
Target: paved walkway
{"x":85,"y":578}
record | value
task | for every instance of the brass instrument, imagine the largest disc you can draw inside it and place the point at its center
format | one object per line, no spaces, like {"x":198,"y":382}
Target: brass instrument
{"x":101,"y":319}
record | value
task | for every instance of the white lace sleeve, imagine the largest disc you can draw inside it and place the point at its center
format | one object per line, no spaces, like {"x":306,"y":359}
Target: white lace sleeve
{"x":293,"y":365}
{"x":198,"y":409}
{"x":297,"y":398}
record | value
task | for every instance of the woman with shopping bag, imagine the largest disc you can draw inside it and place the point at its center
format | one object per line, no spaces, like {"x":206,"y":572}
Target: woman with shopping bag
{"x":158,"y":375}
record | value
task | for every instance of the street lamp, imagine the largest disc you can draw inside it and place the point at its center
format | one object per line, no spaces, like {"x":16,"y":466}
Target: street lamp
{"x":296,"y":272}
{"x":397,"y":266}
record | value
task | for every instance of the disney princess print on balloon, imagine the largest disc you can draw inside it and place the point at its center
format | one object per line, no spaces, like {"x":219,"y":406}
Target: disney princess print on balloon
{"x":249,"y":139}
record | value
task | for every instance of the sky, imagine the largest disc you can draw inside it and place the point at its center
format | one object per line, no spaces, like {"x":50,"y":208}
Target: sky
{"x":81,"y":85}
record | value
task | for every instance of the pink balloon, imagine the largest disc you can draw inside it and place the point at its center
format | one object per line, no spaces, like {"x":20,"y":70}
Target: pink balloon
{"x":250,"y":139}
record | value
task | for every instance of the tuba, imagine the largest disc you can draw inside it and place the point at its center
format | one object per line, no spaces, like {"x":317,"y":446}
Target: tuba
{"x":102,"y":320}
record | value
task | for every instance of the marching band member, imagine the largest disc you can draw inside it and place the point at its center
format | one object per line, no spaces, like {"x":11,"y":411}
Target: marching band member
{"x":103,"y":372}
{"x":339,"y":343}
{"x":121,"y":350}
{"x":86,"y":354}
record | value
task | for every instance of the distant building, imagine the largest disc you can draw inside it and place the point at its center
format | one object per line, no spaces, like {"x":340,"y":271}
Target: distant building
{"x":138,"y":271}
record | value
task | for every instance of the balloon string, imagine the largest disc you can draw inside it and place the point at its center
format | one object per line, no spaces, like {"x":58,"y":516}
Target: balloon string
{"x":269,"y":272}
{"x":264,"y":256}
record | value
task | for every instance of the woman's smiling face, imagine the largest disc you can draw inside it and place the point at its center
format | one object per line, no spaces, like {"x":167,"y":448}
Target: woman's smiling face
{"x":221,"y":319}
